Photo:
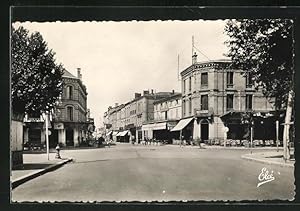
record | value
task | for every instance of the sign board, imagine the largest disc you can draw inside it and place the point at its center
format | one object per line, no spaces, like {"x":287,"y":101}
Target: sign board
{"x":58,"y":126}
{"x":49,"y":125}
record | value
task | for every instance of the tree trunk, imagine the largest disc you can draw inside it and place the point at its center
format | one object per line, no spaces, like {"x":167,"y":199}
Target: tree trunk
{"x":287,"y":123}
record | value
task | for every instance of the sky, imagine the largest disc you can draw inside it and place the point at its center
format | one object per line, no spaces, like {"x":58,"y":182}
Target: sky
{"x":118,"y":59}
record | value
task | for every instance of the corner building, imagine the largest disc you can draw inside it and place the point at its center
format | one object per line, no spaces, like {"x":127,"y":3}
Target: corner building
{"x":71,"y":122}
{"x":213,"y":90}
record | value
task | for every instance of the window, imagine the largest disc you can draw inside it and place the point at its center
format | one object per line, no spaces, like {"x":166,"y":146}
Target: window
{"x":190,"y":84}
{"x":166,"y":115}
{"x":249,"y":80}
{"x":183,"y":86}
{"x":204,"y":102}
{"x":204,"y":79}
{"x":229,"y":104}
{"x":70,"y":113}
{"x":248,"y":102}
{"x":69,"y":92}
{"x":190,"y":106}
{"x":183,"y":107}
{"x":229,"y":79}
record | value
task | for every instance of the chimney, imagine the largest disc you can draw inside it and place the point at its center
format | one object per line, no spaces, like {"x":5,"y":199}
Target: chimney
{"x":145,"y":92}
{"x":79,"y":73}
{"x":194,"y":58}
{"x":136,"y":95}
{"x":173,"y":91}
{"x":116,"y":104}
{"x":152,"y":91}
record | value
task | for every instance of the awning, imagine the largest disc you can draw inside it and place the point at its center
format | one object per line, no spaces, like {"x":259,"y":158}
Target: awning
{"x":123,"y":133}
{"x":110,"y":132}
{"x":119,"y":133}
{"x":160,"y":126}
{"x":115,"y":133}
{"x":148,"y":127}
{"x":155,"y":126}
{"x":182,"y":124}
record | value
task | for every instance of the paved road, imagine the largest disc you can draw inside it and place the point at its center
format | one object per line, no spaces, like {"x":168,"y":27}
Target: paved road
{"x":163,"y":173}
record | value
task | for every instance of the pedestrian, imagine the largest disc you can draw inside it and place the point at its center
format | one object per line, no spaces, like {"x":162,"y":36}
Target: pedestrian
{"x":57,"y":152}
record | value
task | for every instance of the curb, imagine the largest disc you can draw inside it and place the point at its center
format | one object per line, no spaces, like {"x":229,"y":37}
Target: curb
{"x":15,"y":183}
{"x":267,"y":161}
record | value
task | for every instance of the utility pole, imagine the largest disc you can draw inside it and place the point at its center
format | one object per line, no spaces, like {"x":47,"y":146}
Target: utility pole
{"x":277,"y":134}
{"x":47,"y":135}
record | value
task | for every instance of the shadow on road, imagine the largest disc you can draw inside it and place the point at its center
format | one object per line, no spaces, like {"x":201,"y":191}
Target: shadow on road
{"x":32,"y":166}
{"x":88,"y":161}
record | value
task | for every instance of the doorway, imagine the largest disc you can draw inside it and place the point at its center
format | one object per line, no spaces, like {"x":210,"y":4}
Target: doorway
{"x":69,"y":137}
{"x":204,"y":131}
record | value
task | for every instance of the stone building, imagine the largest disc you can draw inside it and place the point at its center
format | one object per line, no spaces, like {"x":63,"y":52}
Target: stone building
{"x":124,"y":122}
{"x":70,"y":123}
{"x":167,"y":113}
{"x":213,"y":94}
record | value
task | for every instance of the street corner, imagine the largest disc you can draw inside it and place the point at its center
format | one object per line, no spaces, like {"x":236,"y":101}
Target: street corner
{"x":270,"y":158}
{"x":30,"y":171}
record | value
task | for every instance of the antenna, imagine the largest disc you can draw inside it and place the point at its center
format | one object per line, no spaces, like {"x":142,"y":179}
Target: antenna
{"x":192,"y":45}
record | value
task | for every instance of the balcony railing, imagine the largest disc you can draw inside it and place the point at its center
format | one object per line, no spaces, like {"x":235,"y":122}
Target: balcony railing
{"x":33,"y":119}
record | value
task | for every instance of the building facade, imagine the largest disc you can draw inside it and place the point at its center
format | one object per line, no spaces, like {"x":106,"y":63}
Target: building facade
{"x":167,"y":113}
{"x":70,"y":122}
{"x":124,"y":122}
{"x":212,"y":94}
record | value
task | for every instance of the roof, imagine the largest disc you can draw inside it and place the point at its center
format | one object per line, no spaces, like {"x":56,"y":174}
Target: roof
{"x":67,"y":74}
{"x":216,"y":62}
{"x":176,"y":95}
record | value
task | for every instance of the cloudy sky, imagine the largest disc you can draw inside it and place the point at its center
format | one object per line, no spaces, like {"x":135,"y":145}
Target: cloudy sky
{"x":120,"y":58}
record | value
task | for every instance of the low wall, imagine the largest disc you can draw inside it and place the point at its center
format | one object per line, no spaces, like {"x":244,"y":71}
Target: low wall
{"x":16,"y":141}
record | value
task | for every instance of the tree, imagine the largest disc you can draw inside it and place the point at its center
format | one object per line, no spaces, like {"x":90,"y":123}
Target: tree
{"x":264,"y":49}
{"x":36,"y":79}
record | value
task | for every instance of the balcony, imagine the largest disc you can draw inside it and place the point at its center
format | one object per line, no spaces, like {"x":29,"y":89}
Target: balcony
{"x":33,"y":119}
{"x":204,"y":113}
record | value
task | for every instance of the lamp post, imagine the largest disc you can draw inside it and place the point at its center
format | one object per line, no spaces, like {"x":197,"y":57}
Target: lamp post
{"x":47,"y":133}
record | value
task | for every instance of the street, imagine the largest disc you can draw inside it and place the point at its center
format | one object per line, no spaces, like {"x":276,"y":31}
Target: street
{"x":157,"y":173}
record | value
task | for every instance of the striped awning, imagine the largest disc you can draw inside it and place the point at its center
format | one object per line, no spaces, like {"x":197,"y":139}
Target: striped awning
{"x":182,"y":124}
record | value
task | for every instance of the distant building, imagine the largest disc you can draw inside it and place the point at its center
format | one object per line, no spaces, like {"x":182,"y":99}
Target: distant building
{"x":124,"y":122}
{"x":167,"y":113}
{"x":215,"y":96}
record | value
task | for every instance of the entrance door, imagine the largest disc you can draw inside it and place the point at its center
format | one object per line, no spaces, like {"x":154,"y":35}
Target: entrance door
{"x":69,"y":137}
{"x":204,"y":131}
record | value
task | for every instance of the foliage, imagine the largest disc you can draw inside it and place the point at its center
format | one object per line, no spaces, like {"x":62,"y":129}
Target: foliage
{"x":36,"y":80}
{"x":264,"y":49}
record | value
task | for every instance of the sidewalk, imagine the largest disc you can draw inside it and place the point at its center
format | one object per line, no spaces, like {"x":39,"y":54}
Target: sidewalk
{"x":270,"y":157}
{"x":35,"y":165}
